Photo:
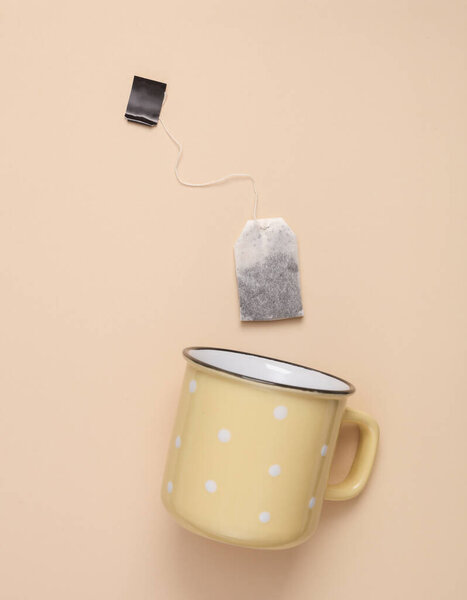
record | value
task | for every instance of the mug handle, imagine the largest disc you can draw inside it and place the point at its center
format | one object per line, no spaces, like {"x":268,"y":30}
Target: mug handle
{"x":362,"y":464}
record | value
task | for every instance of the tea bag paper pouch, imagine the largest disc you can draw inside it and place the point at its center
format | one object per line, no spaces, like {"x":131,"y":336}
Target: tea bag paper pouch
{"x":266,"y":260}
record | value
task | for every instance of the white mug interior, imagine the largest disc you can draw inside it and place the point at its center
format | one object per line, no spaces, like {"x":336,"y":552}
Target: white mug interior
{"x":268,"y":370}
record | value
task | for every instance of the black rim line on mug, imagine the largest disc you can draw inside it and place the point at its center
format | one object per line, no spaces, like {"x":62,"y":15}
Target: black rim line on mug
{"x":186,"y":354}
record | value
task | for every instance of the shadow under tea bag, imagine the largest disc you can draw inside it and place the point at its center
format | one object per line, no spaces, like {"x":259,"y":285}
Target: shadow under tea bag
{"x":266,"y":259}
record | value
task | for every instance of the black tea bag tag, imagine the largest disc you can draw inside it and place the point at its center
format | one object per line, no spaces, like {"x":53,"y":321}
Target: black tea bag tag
{"x":145,"y":103}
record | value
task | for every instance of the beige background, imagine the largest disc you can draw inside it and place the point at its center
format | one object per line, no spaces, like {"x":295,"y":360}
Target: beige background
{"x":352,"y":116}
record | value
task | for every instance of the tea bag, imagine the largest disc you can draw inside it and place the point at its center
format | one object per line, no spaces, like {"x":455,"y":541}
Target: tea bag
{"x":266,"y":259}
{"x":266,"y":254}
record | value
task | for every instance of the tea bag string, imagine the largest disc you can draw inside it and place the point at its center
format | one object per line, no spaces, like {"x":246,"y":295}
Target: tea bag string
{"x":213,"y":181}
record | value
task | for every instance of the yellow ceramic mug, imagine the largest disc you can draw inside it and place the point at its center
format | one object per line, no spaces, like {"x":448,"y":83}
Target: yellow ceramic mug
{"x":252,"y":446}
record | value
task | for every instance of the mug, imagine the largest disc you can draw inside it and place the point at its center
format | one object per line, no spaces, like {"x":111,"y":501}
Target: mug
{"x":252,"y":446}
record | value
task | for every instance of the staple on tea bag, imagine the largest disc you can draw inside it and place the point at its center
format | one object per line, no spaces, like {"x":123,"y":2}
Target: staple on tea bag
{"x":266,"y":259}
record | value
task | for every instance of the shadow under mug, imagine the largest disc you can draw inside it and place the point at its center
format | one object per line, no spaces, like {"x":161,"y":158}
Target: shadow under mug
{"x":252,"y":446}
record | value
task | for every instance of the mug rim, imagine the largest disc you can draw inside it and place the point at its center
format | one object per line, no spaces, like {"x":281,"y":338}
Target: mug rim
{"x":188,"y":357}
